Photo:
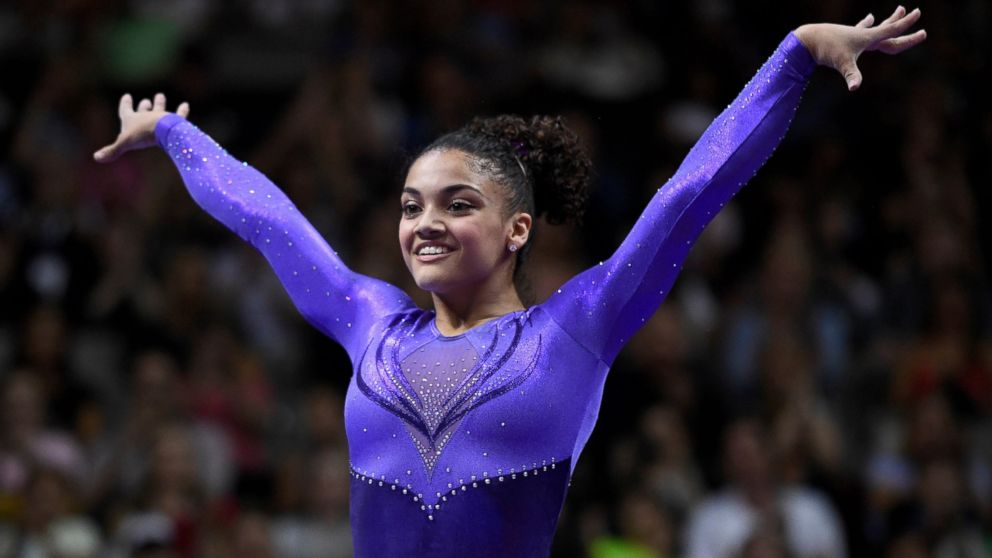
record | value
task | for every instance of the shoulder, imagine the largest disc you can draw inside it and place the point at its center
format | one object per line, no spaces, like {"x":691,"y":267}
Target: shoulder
{"x":808,"y":504}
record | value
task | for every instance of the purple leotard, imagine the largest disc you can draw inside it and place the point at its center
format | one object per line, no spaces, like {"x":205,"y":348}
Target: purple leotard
{"x":464,"y":445}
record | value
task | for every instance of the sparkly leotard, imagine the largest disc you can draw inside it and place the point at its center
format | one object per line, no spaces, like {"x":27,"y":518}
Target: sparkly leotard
{"x":464,"y":445}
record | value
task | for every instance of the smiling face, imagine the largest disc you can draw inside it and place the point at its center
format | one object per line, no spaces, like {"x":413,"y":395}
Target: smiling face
{"x":454,"y":230}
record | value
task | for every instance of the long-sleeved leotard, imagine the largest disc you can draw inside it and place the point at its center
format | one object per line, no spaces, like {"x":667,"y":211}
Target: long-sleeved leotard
{"x":464,"y":445}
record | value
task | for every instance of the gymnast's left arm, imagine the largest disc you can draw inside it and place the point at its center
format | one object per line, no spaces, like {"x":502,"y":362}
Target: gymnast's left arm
{"x":605,"y":305}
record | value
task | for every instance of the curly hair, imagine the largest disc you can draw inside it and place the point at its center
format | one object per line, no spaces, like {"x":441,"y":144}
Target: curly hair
{"x":540,"y":163}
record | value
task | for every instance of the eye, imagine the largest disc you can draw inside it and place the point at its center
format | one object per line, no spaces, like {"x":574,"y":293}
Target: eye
{"x":410,"y":209}
{"x":459,"y":206}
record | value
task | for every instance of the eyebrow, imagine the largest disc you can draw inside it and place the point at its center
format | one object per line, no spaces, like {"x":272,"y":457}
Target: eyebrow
{"x":447,"y":190}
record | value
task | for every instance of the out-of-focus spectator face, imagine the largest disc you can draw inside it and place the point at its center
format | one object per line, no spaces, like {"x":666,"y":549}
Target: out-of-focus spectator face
{"x":45,"y":337}
{"x":214,"y":356}
{"x":667,"y":471}
{"x":56,"y":186}
{"x":301,"y":183}
{"x":251,"y":537}
{"x":23,"y":409}
{"x":154,"y":376}
{"x":660,"y":350}
{"x":174,"y":460}
{"x":941,"y":492}
{"x":645,"y":521}
{"x":663,"y":428}
{"x":932,"y":429}
{"x":324,"y":414}
{"x":60,"y":80}
{"x":91,"y":422}
{"x":376,"y":233}
{"x":939,"y":246}
{"x":557,"y":251}
{"x":785,"y":368}
{"x":625,"y":460}
{"x":96,"y":121}
{"x":49,"y":497}
{"x":764,"y":544}
{"x":952,"y":308}
{"x":154,"y":389}
{"x":835,"y":225}
{"x":329,"y":484}
{"x":290,"y":484}
{"x":746,"y":457}
{"x":368,"y":135}
{"x":661,"y":343}
{"x":187,"y":277}
{"x":120,"y":245}
{"x":907,"y":546}
{"x":786,"y":272}
{"x":446,"y":92}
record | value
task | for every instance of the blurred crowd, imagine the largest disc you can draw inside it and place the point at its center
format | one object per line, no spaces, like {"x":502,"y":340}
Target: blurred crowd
{"x":818,"y":385}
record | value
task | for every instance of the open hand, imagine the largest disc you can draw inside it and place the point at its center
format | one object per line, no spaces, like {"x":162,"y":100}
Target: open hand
{"x":838,"y":46}
{"x":137,"y":126}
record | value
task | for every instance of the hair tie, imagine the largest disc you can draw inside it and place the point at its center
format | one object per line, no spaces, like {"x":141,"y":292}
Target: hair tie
{"x":520,"y":148}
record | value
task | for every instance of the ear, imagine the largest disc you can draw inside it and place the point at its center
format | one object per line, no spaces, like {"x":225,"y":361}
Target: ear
{"x":520,"y":225}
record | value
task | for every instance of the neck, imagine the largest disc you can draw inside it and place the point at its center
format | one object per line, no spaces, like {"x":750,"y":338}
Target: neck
{"x":457,"y":312}
{"x":759,"y":494}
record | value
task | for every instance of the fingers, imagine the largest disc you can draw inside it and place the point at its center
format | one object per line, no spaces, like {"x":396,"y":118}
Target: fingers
{"x":147,"y":105}
{"x":893,"y":28}
{"x":899,"y":44}
{"x":125,"y":106}
{"x":106,"y":154}
{"x":866,"y":22}
{"x":891,"y":38}
{"x":903,"y":24}
{"x":852,"y":75}
{"x":896,"y":15}
{"x":134,"y":133}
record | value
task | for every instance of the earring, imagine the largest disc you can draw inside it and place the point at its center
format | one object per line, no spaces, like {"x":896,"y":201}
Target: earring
{"x":512,"y":247}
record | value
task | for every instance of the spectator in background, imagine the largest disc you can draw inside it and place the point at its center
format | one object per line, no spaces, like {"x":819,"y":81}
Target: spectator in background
{"x":25,"y":440}
{"x":647,"y":530}
{"x":228,"y":391}
{"x":785,"y":303}
{"x":51,"y":523}
{"x":923,"y":487}
{"x":318,"y":526}
{"x":754,"y":503}
{"x":804,"y":436}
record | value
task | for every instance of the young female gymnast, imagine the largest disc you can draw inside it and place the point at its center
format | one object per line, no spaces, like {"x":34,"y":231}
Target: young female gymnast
{"x":465,"y":422}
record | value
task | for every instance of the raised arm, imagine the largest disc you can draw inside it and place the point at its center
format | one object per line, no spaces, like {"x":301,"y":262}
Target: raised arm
{"x":605,"y":305}
{"x":339,"y":302}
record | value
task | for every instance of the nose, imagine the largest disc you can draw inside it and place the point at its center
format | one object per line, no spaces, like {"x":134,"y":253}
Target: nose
{"x":429,"y":226}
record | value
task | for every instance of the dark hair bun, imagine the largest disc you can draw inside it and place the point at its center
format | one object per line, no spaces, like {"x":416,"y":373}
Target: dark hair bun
{"x":556,"y":165}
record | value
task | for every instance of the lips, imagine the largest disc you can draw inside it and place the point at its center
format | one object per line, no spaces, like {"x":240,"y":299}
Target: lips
{"x":432,"y":258}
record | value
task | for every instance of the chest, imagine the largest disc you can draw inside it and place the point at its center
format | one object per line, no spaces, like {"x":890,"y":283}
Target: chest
{"x":428,"y":409}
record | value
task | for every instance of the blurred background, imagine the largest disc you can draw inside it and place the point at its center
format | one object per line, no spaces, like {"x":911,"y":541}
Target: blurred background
{"x":819,"y":383}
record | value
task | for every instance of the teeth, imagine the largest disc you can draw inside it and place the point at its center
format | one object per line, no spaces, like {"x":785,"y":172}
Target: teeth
{"x":430,"y":250}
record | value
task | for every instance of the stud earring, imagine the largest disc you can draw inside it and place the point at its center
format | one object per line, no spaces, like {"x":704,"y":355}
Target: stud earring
{"x":512,"y":247}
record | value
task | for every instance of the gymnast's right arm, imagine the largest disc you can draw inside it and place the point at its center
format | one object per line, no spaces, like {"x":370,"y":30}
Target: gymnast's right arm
{"x":339,"y":302}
